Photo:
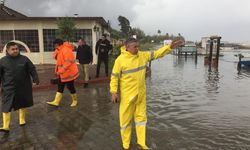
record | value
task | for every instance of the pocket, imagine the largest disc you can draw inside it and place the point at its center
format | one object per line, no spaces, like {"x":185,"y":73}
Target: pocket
{"x":20,"y":68}
{"x":20,"y":65}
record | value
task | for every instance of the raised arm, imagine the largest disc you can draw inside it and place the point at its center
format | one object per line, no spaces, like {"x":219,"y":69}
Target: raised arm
{"x":162,"y":51}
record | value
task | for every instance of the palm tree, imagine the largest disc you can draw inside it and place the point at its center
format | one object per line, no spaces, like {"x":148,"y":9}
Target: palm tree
{"x":159,"y":32}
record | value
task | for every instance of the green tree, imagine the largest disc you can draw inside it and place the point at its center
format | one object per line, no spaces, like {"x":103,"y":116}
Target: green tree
{"x":138,"y":32}
{"x":66,"y":29}
{"x":115,"y":34}
{"x":159,"y":32}
{"x":125,"y":26}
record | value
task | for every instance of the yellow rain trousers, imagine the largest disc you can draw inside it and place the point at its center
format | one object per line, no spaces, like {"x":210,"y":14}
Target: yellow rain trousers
{"x":129,"y":74}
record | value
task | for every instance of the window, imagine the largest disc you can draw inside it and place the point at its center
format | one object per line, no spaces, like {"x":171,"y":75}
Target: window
{"x":29,"y":37}
{"x":49,"y":35}
{"x":5,"y":37}
{"x":84,"y":33}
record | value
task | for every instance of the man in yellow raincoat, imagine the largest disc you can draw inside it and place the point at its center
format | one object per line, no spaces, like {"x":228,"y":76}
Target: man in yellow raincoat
{"x":129,"y":74}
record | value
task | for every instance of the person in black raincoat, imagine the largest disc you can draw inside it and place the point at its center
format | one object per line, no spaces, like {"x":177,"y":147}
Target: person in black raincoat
{"x":16,"y":86}
{"x":102,"y":49}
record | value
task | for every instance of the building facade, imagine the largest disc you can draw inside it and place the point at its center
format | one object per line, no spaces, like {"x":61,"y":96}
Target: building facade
{"x":36,"y":34}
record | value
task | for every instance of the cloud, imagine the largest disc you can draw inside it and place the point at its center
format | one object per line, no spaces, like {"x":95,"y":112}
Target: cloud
{"x":109,"y":9}
{"x":192,"y":18}
{"x":196,"y":18}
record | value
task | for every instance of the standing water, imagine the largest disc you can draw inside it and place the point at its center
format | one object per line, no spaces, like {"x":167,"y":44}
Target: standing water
{"x":190,"y":107}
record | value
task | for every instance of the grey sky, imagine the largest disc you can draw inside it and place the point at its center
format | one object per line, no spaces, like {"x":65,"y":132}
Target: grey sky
{"x":192,"y":18}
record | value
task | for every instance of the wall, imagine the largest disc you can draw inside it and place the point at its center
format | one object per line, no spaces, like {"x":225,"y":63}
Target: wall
{"x":46,"y":57}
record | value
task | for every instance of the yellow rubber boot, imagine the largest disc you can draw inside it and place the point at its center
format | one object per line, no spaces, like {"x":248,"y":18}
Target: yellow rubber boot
{"x":126,"y":137}
{"x":74,"y":100}
{"x":6,"y":122}
{"x":141,"y":136}
{"x":57,"y":99}
{"x":22,"y":112}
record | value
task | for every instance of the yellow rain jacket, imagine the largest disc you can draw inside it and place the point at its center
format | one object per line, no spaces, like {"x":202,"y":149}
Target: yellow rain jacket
{"x":129,"y":73}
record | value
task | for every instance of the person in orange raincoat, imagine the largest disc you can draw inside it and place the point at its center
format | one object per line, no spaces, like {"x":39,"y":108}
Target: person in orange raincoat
{"x":66,"y":69}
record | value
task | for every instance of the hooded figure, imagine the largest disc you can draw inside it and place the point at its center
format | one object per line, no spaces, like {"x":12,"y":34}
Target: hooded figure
{"x":16,"y":71}
{"x":128,"y":75}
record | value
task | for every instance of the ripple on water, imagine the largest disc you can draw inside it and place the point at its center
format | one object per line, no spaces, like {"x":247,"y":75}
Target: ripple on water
{"x":195,"y":108}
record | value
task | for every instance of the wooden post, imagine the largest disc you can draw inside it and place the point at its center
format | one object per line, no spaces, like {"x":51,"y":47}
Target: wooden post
{"x":218,"y":51}
{"x":239,"y":63}
{"x":211,"y":52}
{"x":196,"y":57}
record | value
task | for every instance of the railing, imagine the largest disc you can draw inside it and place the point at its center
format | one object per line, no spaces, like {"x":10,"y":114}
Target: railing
{"x":187,"y":49}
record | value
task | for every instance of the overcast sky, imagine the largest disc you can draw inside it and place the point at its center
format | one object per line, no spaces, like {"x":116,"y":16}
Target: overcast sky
{"x":192,"y":18}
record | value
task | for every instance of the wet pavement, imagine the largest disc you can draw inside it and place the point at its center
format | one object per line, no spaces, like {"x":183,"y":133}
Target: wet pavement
{"x":66,"y":128}
{"x":46,"y":73}
{"x":92,"y":125}
{"x":189,"y":108}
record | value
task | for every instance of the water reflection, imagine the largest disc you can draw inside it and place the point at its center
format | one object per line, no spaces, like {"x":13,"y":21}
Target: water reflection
{"x":71,"y":129}
{"x":212,"y":81}
{"x":21,"y":137}
{"x":197,"y":107}
{"x":181,"y":59}
{"x":102,"y":102}
{"x":244,"y":73}
{"x":4,"y":138}
{"x":189,"y":107}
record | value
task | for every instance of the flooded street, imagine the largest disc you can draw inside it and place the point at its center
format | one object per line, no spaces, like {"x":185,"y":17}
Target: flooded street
{"x":68,"y":49}
{"x":190,"y":107}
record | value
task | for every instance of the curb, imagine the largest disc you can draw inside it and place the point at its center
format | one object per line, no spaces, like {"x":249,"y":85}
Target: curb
{"x":78,"y":82}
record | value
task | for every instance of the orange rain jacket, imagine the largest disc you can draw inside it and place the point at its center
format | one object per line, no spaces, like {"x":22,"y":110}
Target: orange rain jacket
{"x":66,"y":63}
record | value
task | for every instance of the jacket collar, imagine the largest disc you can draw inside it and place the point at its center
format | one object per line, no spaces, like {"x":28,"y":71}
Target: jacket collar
{"x":127,"y":53}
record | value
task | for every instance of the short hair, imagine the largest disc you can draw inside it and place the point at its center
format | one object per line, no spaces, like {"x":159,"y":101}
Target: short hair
{"x":9,"y":44}
{"x":130,"y":40}
{"x":104,"y":34}
{"x":81,"y":38}
{"x":58,"y":41}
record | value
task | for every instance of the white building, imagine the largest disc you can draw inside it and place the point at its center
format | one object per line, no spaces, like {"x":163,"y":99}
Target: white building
{"x":205,"y":45}
{"x":205,"y":42}
{"x":40,"y":32}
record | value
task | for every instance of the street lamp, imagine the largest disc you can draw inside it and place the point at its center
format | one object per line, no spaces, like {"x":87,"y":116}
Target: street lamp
{"x":96,"y":29}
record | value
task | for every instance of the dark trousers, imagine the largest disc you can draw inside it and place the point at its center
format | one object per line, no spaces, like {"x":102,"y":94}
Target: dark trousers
{"x":100,"y":60}
{"x":70,"y":86}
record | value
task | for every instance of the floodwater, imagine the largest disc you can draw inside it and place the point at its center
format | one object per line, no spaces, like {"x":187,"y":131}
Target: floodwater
{"x":190,"y":107}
